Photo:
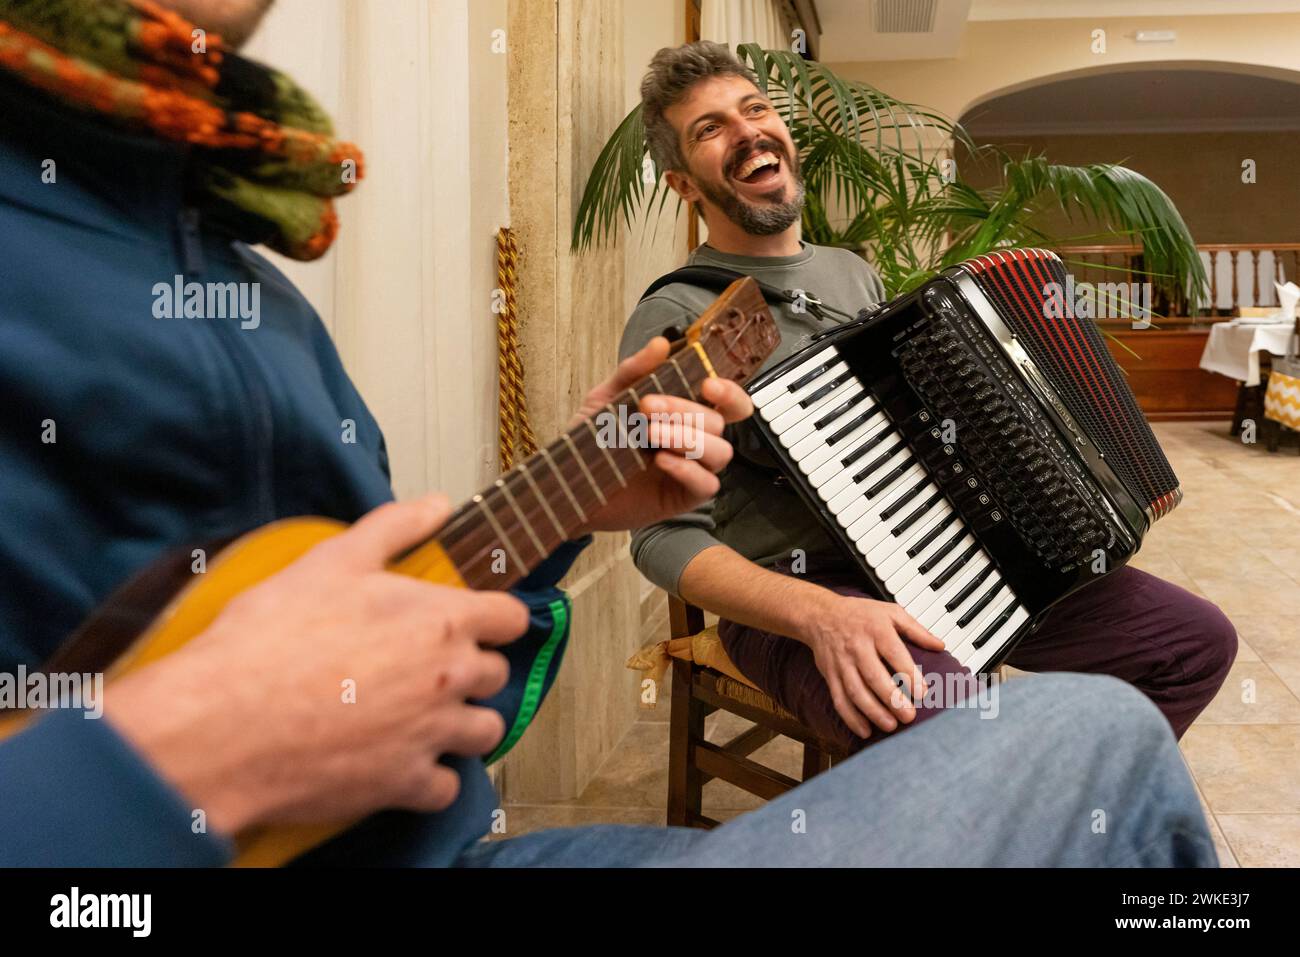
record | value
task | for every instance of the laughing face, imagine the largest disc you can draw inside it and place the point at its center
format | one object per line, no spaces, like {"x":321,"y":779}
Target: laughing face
{"x":740,"y":158}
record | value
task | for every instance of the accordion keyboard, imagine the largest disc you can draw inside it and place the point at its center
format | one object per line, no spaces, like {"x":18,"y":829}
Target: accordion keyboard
{"x":878,"y":486}
{"x":974,"y":451}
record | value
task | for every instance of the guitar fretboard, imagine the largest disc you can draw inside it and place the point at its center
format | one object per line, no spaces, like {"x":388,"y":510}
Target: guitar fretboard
{"x":500,"y":535}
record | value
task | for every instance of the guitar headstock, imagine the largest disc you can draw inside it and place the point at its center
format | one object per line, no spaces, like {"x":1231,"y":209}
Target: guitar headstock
{"x":737,"y":331}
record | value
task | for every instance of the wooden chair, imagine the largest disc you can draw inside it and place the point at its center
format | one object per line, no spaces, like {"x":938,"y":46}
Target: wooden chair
{"x":697,"y":692}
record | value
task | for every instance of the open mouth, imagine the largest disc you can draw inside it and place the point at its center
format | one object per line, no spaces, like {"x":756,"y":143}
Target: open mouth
{"x":759,"y":169}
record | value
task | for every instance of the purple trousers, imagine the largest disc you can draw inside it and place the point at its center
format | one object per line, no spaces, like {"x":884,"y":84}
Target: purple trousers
{"x":1173,"y":646}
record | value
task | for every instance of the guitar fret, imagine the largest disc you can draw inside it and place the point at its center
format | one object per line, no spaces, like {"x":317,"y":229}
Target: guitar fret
{"x":585,"y":471}
{"x":541,"y":549}
{"x":546,"y":507}
{"x":500,"y":532}
{"x":609,"y":458}
{"x":634,"y":404}
{"x":573,"y":500}
{"x":689,"y":391}
{"x":659,"y":386}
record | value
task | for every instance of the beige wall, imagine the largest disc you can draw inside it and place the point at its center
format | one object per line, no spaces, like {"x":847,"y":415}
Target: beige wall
{"x":407,"y":288}
{"x":1201,"y":172}
{"x":658,"y":243}
{"x":998,"y":57}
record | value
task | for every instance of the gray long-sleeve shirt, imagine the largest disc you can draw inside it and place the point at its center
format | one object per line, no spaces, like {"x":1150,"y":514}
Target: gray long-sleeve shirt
{"x":756,"y":512}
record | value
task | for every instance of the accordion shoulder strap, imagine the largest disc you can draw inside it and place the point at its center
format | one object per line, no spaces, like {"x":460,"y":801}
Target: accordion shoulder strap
{"x":717,"y":279}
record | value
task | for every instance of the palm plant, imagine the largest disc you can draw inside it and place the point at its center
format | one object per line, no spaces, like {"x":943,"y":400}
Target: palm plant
{"x":880,"y":177}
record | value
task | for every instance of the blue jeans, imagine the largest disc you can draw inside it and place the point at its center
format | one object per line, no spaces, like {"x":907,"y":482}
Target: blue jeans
{"x":1071,"y":770}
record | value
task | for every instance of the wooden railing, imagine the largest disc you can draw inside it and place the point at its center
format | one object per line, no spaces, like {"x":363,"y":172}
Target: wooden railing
{"x":1223,"y":265}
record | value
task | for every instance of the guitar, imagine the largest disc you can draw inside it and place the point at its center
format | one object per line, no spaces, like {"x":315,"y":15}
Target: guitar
{"x":489,"y":543}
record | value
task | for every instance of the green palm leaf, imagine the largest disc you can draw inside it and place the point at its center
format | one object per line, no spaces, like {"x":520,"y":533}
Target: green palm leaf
{"x":879,"y":178}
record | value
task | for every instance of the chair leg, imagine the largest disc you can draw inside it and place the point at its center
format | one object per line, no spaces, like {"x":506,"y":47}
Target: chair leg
{"x":815,"y":761}
{"x":1239,"y":412}
{"x":685,"y":727}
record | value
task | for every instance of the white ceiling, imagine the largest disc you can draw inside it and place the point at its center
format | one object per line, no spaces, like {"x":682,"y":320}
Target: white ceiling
{"x":1148,"y":101}
{"x":849,"y":35}
{"x":1062,"y":9}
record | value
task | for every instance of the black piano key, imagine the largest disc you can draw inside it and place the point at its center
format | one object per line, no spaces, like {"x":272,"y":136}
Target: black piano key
{"x":843,"y":407}
{"x":881,"y":435}
{"x":974,"y":611}
{"x":928,"y":538}
{"x":995,"y":626}
{"x":945,"y":576}
{"x":875,"y":464}
{"x":941,"y":552}
{"x":814,"y":397}
{"x":916,"y":513}
{"x":849,"y":426}
{"x":906,"y":499}
{"x":890,"y":478}
{"x":811,"y":377}
{"x":968,"y":589}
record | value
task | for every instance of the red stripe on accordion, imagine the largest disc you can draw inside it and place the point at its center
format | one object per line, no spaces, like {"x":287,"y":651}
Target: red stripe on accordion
{"x":1012,"y":273}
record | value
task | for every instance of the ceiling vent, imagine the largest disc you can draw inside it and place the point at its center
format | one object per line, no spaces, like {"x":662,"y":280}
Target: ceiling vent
{"x":904,"y":16}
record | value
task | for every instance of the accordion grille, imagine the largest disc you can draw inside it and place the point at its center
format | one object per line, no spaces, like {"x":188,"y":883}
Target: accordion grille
{"x":1072,"y":355}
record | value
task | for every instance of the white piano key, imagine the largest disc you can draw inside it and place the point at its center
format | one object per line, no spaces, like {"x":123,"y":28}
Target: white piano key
{"x":884,"y":557}
{"x":785,"y":403}
{"x":797,"y":423}
{"x":980,"y":657}
{"x":870,"y":534}
{"x":852,"y":502}
{"x":963,"y":642}
{"x":934,"y":609}
{"x":772,"y":390}
{"x":964,"y":635}
{"x":812,"y":443}
{"x":827,"y":462}
{"x":895,"y":583}
{"x":927,"y":598}
{"x":918,"y":593}
{"x":857,"y":471}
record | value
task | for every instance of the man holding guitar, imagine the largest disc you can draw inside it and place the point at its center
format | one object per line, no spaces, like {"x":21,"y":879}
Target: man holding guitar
{"x":125,"y":437}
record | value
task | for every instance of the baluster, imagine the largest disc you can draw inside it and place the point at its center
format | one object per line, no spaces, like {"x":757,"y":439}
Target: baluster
{"x":1254,"y":277}
{"x":1232,"y":254}
{"x":1214,"y":282}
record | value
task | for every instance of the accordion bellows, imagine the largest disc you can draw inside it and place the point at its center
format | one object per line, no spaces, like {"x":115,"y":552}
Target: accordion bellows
{"x":1072,"y":354}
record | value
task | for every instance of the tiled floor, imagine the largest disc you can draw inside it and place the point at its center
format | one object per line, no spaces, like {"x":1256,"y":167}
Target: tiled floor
{"x":1236,"y":540}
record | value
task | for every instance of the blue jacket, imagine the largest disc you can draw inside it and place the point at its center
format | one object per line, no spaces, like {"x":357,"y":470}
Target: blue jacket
{"x":124,"y":436}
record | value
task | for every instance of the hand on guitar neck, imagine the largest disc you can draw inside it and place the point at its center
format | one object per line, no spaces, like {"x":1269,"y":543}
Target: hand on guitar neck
{"x":689,"y":435}
{"x":244,"y":719}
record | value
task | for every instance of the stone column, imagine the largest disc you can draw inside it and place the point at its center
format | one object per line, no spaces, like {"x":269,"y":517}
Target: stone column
{"x":565,"y":96}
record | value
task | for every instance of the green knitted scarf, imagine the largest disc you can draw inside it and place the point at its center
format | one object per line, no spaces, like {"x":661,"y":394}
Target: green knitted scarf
{"x":263,"y":161}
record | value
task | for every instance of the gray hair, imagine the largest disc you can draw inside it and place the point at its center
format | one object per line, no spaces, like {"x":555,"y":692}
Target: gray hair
{"x":673,"y":71}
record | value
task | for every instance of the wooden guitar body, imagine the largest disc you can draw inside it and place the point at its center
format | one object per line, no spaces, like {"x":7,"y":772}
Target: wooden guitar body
{"x":170,"y":603}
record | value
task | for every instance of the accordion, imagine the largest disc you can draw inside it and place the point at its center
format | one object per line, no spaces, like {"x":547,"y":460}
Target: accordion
{"x":973,"y":446}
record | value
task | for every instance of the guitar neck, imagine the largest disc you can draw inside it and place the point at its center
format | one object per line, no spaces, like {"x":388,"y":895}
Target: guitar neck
{"x":507,"y":530}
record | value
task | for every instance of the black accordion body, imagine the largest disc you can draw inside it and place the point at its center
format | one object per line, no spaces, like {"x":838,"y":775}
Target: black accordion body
{"x":973,"y":447}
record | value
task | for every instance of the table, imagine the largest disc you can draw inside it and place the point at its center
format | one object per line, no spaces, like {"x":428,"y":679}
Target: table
{"x":1233,"y":347}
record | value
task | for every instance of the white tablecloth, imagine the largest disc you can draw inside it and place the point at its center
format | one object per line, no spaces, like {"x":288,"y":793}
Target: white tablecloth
{"x":1233,"y":350}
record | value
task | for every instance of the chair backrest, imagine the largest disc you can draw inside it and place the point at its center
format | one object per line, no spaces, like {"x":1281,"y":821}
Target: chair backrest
{"x":684,"y":619}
